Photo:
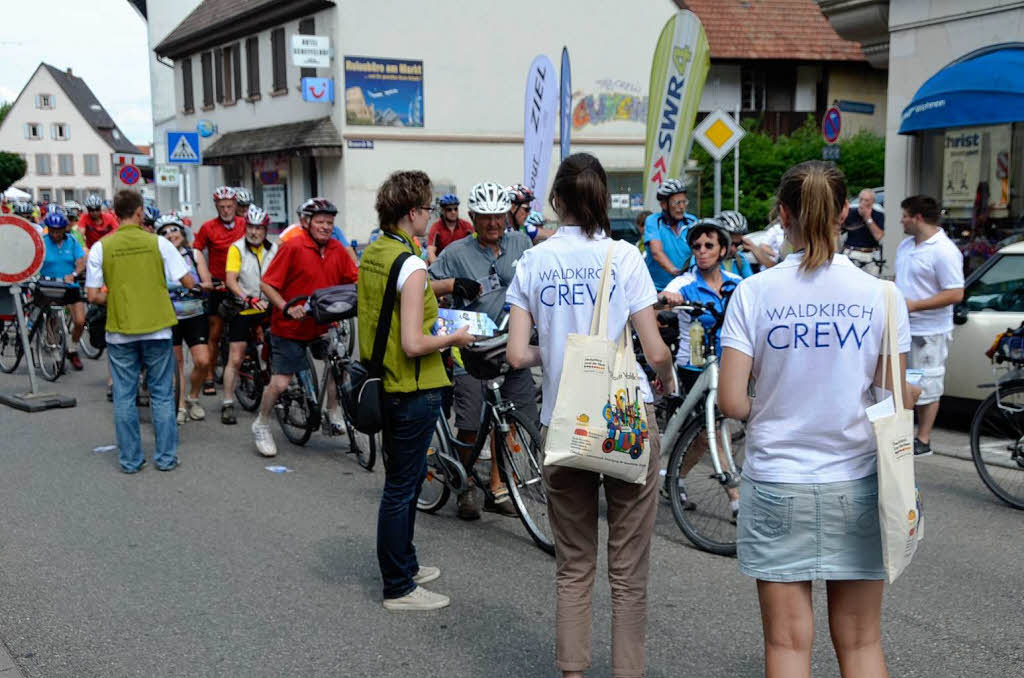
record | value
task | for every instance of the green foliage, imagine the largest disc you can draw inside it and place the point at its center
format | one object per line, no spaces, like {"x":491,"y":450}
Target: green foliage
{"x":5,"y":108}
{"x":764,"y":159}
{"x":12,"y":168}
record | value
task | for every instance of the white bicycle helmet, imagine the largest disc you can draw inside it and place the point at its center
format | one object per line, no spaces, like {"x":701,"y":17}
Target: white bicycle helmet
{"x":243,"y":196}
{"x":224,"y":193}
{"x":669,"y":188}
{"x":488,"y":197}
{"x":257,"y":217}
{"x":93,"y":202}
{"x":733,"y":221}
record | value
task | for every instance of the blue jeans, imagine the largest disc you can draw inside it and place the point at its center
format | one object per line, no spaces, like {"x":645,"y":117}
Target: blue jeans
{"x":126,"y":362}
{"x":409,"y":421}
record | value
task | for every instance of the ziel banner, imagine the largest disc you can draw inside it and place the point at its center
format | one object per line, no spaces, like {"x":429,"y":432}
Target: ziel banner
{"x":565,"y":107}
{"x":383,"y":92}
{"x":539,"y":127}
{"x":681,"y":62}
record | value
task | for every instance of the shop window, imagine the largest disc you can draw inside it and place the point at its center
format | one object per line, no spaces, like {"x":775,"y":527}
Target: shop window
{"x":206,"y":61}
{"x":186,"y":82}
{"x":277,"y":51}
{"x":65,"y":164}
{"x":307,"y":27}
{"x":252,"y":67}
{"x":45,"y":195}
{"x":67,"y":194}
{"x":91,"y":164}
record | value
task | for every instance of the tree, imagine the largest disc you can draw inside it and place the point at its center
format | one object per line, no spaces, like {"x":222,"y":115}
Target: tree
{"x":764,"y":159}
{"x":5,"y":108}
{"x":12,"y":168}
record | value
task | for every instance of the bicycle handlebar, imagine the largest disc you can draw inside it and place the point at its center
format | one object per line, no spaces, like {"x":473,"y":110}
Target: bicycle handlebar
{"x":294,"y":302}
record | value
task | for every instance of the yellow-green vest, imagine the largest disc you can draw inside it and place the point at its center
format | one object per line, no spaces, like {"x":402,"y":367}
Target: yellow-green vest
{"x":133,"y":271}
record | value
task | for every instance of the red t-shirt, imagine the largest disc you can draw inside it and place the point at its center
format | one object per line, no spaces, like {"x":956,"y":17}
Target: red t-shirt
{"x":93,"y":231}
{"x":440,"y":236}
{"x":298,"y":269}
{"x":216,"y":239}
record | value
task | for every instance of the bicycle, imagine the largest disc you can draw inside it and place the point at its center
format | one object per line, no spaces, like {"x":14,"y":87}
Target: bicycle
{"x":85,"y":347}
{"x":254,"y":371}
{"x":705,"y":468}
{"x":997,"y":430}
{"x":302,"y":407}
{"x":47,"y":333}
{"x":517,"y":450}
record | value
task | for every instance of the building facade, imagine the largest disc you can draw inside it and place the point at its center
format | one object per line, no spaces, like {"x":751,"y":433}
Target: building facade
{"x":70,"y":143}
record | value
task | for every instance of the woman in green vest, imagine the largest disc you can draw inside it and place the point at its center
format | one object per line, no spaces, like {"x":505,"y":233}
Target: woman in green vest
{"x":414,"y":377}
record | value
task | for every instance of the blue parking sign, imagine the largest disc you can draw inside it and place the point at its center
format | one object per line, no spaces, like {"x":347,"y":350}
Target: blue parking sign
{"x":183,"y":148}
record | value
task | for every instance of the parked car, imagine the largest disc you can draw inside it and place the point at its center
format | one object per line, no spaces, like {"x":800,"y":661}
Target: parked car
{"x":993,"y":301}
{"x":624,"y":228}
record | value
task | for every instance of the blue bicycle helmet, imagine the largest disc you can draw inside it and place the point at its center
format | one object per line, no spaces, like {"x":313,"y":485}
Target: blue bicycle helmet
{"x":448,"y":199}
{"x":151,"y":215}
{"x":55,"y":219}
{"x":533,"y":222}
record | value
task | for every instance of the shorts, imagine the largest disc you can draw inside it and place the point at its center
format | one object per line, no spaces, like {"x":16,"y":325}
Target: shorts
{"x":240,"y":327}
{"x":929,"y":353}
{"x":214,"y":299}
{"x":789,"y":532}
{"x":194,"y":330}
{"x":468,"y":404}
{"x":287,"y":356}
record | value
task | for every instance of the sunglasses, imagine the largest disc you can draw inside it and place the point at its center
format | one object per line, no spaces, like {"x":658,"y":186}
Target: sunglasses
{"x":704,"y":246}
{"x":169,"y":229}
{"x":451,"y":209}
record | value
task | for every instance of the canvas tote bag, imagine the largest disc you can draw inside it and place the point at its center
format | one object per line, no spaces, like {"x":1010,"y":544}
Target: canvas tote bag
{"x":599,"y":422}
{"x":899,"y":508}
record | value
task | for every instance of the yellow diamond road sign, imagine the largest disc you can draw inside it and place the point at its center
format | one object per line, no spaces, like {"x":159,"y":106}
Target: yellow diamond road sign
{"x":718,"y":133}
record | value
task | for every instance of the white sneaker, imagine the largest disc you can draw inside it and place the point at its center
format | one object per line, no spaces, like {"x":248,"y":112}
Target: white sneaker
{"x":426,"y":573}
{"x":195,"y":410}
{"x":418,"y":599}
{"x":336,"y":419}
{"x":182,"y":416}
{"x":263,"y":438}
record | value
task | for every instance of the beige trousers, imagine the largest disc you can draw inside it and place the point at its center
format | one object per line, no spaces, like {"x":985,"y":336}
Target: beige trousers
{"x":573,"y":511}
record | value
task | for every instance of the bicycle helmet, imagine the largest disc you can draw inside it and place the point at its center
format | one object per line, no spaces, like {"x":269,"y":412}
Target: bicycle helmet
{"x":669,"y":188}
{"x":243,"y":197}
{"x":317,"y":206}
{"x":448,"y":199}
{"x":55,"y":219}
{"x":72,"y":208}
{"x":257,"y":217}
{"x":708,"y":225}
{"x":150,"y":215}
{"x":22,"y":208}
{"x":169,"y":219}
{"x":533,"y":223}
{"x":488,"y":197}
{"x":485,"y":359}
{"x":224,"y":193}
{"x":93,"y":202}
{"x":733,"y":221}
{"x":520,"y":195}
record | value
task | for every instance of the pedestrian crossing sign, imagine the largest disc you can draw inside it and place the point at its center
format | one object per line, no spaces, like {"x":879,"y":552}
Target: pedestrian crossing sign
{"x":183,"y":148}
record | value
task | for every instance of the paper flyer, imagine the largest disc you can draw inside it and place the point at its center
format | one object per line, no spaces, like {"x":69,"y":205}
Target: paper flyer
{"x":450,"y":320}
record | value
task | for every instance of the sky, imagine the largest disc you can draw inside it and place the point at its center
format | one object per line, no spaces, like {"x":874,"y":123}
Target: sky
{"x":102,"y":41}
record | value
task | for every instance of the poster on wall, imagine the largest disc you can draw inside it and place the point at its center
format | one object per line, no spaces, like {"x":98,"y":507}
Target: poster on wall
{"x":274,"y":203}
{"x":973,"y":155}
{"x":383,"y":92}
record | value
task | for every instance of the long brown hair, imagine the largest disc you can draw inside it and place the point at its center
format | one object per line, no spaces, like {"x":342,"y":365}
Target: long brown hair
{"x":581,"y":190}
{"x":813,"y":193}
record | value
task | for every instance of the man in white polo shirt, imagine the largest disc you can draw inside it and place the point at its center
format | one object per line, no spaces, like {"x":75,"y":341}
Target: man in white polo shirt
{"x":930,"y":273}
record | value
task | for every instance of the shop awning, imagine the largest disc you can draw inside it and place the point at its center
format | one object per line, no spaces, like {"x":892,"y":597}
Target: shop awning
{"x":982,"y":88}
{"x":316,"y":137}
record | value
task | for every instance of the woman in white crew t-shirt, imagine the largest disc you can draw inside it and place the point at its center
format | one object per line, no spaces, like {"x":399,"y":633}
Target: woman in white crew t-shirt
{"x":808,"y":331}
{"x":555,"y":286}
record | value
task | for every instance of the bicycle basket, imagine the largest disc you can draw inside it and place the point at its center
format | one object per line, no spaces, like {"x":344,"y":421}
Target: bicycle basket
{"x":486,"y":359}
{"x":57,"y":292}
{"x":331,"y":304}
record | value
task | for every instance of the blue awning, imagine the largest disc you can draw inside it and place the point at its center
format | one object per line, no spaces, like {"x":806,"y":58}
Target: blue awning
{"x":983,"y":88}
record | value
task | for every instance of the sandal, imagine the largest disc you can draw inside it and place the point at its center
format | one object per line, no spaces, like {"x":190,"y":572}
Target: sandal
{"x":209,"y":388}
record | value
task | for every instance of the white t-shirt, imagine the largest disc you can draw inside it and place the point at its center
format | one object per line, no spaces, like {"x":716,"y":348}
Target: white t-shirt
{"x":410,"y":266}
{"x":923,"y":271}
{"x":557,"y":281}
{"x":175,"y":268}
{"x":815,"y":341}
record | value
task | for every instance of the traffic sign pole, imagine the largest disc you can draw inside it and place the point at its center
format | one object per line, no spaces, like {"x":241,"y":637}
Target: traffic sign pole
{"x":718,"y":186}
{"x":23,"y":331}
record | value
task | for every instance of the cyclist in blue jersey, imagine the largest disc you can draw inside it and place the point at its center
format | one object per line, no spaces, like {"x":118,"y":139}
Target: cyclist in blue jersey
{"x":736,"y":224}
{"x":65,"y":259}
{"x":665,"y":234}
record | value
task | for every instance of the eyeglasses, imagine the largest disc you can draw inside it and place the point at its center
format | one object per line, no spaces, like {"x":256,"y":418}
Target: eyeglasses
{"x":427,"y":208}
{"x":704,"y":246}
{"x":679,"y":203}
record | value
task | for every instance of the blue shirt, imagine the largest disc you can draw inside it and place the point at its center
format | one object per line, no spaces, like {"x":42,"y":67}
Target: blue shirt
{"x":673,"y":244}
{"x":692,"y":287}
{"x":60,"y":259}
{"x":338,"y":235}
{"x":729,"y":266}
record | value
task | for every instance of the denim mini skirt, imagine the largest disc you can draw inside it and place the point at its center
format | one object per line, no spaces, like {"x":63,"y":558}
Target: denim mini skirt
{"x":790,"y":532}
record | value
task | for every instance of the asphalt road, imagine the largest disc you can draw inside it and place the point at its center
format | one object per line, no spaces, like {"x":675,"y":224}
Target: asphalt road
{"x":223,"y":568}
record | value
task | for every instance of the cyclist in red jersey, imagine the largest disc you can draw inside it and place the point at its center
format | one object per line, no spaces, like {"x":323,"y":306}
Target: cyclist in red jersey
{"x":95,"y":222}
{"x":216,"y":236}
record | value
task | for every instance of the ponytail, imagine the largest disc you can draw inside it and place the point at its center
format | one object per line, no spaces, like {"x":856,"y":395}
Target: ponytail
{"x":813,"y":194}
{"x":581,"y":191}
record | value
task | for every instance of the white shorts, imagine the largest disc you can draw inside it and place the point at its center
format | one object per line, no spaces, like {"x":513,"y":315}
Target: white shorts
{"x":928,"y":353}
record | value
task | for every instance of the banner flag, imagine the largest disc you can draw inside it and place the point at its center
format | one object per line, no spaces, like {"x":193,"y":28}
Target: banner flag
{"x":680,"y":67}
{"x":565,"y":108}
{"x":539,"y":127}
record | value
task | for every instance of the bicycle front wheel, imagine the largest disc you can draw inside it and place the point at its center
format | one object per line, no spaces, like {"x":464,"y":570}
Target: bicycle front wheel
{"x":297,"y":408}
{"x":10,"y":346}
{"x":521,"y":471}
{"x":701,"y":501}
{"x":434,"y":490}
{"x":51,"y":345}
{"x":997,"y":443}
{"x":249,"y":386}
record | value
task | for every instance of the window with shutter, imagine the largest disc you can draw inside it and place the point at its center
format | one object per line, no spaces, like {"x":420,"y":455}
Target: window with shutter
{"x":218,"y":73}
{"x":186,"y":82}
{"x":91,"y":163}
{"x":307,"y":27}
{"x":236,"y":70}
{"x":206,"y":61}
{"x":252,"y":66}
{"x":43,"y":164}
{"x":278,"y":56}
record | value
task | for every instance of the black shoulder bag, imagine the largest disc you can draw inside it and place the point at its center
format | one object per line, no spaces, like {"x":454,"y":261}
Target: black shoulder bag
{"x":363,"y":394}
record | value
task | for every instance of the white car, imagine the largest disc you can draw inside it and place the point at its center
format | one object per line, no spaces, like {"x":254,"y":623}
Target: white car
{"x":993,"y":302}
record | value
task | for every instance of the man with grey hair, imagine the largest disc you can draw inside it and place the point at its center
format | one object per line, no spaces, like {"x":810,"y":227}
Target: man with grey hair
{"x":864,"y":230}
